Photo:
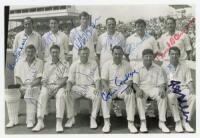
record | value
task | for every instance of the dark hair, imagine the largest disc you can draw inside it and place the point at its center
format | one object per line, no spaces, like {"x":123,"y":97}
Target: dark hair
{"x":55,"y":19}
{"x":84,"y":14}
{"x":175,"y":49}
{"x":117,"y":47}
{"x":111,"y":18}
{"x":171,"y":18}
{"x":147,"y":51}
{"x":140,"y":21}
{"x":54,"y":47}
{"x":31,"y":46}
{"x":83,"y":48}
{"x":29,"y":18}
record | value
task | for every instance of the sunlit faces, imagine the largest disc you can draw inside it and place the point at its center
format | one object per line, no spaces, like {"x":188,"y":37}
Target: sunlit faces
{"x":84,"y":20}
{"x":28,"y":25}
{"x":174,"y":56}
{"x":30,"y":53}
{"x":53,"y":24}
{"x":111,"y":25}
{"x":55,"y":52}
{"x":148,"y":59}
{"x":140,"y":28}
{"x":84,"y":54}
{"x":117,"y":56}
{"x":171,"y":25}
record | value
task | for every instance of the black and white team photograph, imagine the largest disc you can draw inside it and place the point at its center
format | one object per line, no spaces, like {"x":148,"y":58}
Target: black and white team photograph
{"x":100,"y":69}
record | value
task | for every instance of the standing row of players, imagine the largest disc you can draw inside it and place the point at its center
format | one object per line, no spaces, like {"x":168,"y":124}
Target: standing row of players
{"x":89,"y":78}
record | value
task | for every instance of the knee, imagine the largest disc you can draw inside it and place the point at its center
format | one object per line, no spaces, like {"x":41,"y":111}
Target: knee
{"x":171,"y":97}
{"x":60,"y":94}
{"x":44,"y":92}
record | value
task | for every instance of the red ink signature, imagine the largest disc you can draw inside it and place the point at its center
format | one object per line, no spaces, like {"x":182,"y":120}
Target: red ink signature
{"x":174,"y":39}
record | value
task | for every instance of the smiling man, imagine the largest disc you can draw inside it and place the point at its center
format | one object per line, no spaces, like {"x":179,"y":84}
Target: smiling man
{"x":84,"y":81}
{"x":151,"y":83}
{"x":139,"y":41}
{"x":53,"y":81}
{"x":83,"y":36}
{"x":177,"y":71}
{"x":26,"y":37}
{"x":54,"y":37}
{"x":117,"y":67}
{"x":28,"y":74}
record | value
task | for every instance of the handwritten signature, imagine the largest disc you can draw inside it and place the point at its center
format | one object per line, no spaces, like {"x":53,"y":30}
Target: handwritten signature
{"x":127,"y":76}
{"x":18,"y":52}
{"x":174,"y":39}
{"x":176,"y":89}
{"x":81,"y":39}
{"x":106,"y":95}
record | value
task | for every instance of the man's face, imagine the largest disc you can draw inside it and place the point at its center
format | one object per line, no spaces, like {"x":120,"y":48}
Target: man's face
{"x":171,"y":25}
{"x":174,"y":56}
{"x":84,"y":20}
{"x":117,"y":55}
{"x":30,"y":53}
{"x":111,"y":25}
{"x":28,"y":25}
{"x":55,"y":54}
{"x":147,"y":60}
{"x":84,"y":54}
{"x":53,"y":24}
{"x":140,"y":28}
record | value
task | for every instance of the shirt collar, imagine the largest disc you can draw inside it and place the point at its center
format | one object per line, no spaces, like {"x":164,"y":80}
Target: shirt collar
{"x":51,"y":62}
{"x":88,"y":62}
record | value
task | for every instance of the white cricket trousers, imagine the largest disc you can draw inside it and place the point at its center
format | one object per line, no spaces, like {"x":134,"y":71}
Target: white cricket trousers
{"x":43,"y":98}
{"x":129,"y":100}
{"x":174,"y":106}
{"x":153,"y":93}
{"x":78,"y":91}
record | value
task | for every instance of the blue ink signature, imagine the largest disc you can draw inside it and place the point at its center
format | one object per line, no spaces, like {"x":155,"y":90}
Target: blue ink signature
{"x":127,"y":76}
{"x":108,"y":95}
{"x":80,"y":40}
{"x":176,"y":89}
{"x":18,"y":52}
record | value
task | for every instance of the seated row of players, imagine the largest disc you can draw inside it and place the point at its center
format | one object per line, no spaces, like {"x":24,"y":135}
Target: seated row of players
{"x":86,"y":36}
{"x":118,"y":79}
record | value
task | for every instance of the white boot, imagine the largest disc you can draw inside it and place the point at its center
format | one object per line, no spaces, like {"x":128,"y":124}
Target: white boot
{"x":70,"y":122}
{"x":178,"y":127}
{"x":106,"y":127}
{"x":163,"y":127}
{"x":13,"y":109}
{"x":59,"y":127}
{"x":132,"y":127}
{"x":187,"y":127}
{"x":39,"y":126}
{"x":93,"y":123}
{"x":143,"y":126}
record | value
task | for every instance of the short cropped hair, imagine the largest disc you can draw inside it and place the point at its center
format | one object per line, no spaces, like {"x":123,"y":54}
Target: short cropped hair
{"x":54,"y":47}
{"x":117,"y":47}
{"x":31,"y":46}
{"x":83,"y":48}
{"x":175,"y":49}
{"x":147,"y":51}
{"x":29,"y":18}
{"x":84,"y":14}
{"x":110,"y":18}
{"x":171,"y":18}
{"x":140,"y":21}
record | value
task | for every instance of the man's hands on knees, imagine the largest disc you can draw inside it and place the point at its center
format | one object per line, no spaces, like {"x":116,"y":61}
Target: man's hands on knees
{"x":162,"y":92}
